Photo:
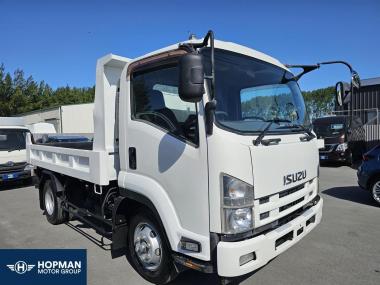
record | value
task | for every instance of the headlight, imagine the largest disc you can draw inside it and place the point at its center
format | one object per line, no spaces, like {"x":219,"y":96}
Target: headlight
{"x":236,"y":192}
{"x":237,"y":205}
{"x":28,"y":167}
{"x":342,"y":147}
{"x":238,"y":220}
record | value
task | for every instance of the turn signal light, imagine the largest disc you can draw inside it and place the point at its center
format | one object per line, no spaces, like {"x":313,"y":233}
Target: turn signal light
{"x":190,"y":245}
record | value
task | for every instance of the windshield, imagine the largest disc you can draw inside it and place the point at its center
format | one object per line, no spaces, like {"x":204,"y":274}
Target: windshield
{"x":328,"y":129}
{"x":250,"y":93}
{"x":12,"y":139}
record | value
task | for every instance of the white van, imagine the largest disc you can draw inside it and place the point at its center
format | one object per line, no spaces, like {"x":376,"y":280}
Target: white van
{"x":13,"y":165}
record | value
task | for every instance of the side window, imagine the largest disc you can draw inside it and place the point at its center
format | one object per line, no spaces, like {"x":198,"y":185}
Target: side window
{"x":155,"y":99}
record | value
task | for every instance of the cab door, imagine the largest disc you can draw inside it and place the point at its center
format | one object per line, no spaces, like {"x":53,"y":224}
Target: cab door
{"x":166,"y":153}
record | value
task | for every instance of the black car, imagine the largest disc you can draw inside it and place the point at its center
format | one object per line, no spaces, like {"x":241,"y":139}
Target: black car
{"x":334,"y":131}
{"x":369,"y":173}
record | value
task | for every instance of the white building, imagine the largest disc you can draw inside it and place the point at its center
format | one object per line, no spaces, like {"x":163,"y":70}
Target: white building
{"x":77,"y":118}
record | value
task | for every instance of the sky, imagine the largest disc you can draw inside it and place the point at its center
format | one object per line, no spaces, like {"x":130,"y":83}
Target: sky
{"x":59,"y":41}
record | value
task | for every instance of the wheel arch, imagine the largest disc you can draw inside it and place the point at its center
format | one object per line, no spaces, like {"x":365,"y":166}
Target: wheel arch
{"x":57,"y":185}
{"x":373,"y":178}
{"x":126,"y":205}
{"x":164,"y":208}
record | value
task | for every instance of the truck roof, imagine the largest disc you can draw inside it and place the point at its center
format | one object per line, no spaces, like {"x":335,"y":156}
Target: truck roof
{"x":222,"y":45}
{"x":12,"y":122}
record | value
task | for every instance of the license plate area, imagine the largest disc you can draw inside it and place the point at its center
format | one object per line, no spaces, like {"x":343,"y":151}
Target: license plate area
{"x":9,"y":176}
{"x":323,"y":157}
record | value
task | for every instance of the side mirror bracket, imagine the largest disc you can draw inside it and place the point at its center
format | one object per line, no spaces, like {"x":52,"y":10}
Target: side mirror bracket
{"x":210,"y":116}
{"x":343,"y":91}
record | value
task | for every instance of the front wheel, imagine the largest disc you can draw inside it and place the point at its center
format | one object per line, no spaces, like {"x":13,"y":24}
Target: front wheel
{"x":148,"y":251}
{"x":375,"y":189}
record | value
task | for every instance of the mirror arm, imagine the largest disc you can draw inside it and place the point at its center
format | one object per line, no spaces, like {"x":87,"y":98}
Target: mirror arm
{"x":210,"y":115}
{"x":210,"y":35}
{"x":306,"y":69}
{"x":337,"y":61}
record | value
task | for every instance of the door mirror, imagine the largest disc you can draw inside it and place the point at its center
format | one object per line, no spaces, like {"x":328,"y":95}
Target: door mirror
{"x":191,"y":76}
{"x":342,"y":89}
{"x":355,"y":79}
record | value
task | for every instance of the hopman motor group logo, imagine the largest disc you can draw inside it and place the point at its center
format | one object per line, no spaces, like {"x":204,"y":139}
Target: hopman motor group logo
{"x":20,"y":267}
{"x":43,"y":266}
{"x":48,"y":267}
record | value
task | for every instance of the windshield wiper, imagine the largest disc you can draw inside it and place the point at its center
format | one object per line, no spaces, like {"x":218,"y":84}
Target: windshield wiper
{"x":13,"y":149}
{"x":309,"y":133}
{"x":265,"y":130}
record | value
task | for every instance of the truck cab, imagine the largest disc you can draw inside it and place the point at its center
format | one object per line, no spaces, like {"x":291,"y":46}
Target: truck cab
{"x":13,"y":165}
{"x":201,"y":159}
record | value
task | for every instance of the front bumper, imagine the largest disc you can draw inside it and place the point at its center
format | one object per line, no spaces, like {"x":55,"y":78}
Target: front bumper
{"x":264,"y":246}
{"x":334,"y":156}
{"x":13,"y":176}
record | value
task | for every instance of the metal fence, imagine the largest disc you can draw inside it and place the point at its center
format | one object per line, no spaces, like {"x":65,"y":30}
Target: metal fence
{"x":367,"y":116}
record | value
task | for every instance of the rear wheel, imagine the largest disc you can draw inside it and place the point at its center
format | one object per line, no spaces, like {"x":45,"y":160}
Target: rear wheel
{"x":148,"y":250}
{"x":375,"y":189}
{"x":53,"y":205}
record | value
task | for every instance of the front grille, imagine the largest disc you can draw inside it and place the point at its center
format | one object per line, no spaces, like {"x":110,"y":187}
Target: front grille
{"x":327,"y":148}
{"x":17,"y":166}
{"x":273,"y":225}
{"x":264,"y":200}
{"x":287,"y":206}
{"x":291,"y":190}
{"x":264,"y":215}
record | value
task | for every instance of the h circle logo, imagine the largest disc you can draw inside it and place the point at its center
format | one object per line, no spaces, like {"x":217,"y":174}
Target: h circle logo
{"x":20,"y":267}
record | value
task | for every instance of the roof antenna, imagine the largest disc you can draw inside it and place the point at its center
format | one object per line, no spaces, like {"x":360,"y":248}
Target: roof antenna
{"x":192,"y":36}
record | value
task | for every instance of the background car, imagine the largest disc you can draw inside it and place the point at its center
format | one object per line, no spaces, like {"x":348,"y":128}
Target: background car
{"x":369,"y":173}
{"x":333,"y":130}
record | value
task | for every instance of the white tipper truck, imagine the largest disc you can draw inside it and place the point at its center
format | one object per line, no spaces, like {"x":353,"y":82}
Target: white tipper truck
{"x":202,"y":158}
{"x":13,"y":164}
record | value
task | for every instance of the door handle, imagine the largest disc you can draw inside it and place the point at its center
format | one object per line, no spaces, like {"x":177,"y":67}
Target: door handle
{"x":132,"y":158}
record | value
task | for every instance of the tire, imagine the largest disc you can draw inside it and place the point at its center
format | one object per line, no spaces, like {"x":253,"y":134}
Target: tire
{"x":53,"y":205}
{"x":375,"y":191}
{"x":158,"y":269}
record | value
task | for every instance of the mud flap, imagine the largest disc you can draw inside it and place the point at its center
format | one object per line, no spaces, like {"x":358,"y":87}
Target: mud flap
{"x":119,"y":230}
{"x":119,"y":241}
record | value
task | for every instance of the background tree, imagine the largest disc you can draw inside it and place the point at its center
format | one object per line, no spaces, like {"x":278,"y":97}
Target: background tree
{"x":319,"y":102}
{"x":20,"y":95}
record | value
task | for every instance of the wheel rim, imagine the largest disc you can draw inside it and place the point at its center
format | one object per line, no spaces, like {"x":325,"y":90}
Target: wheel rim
{"x":49,"y":201}
{"x":148,"y":246}
{"x":376,"y":191}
